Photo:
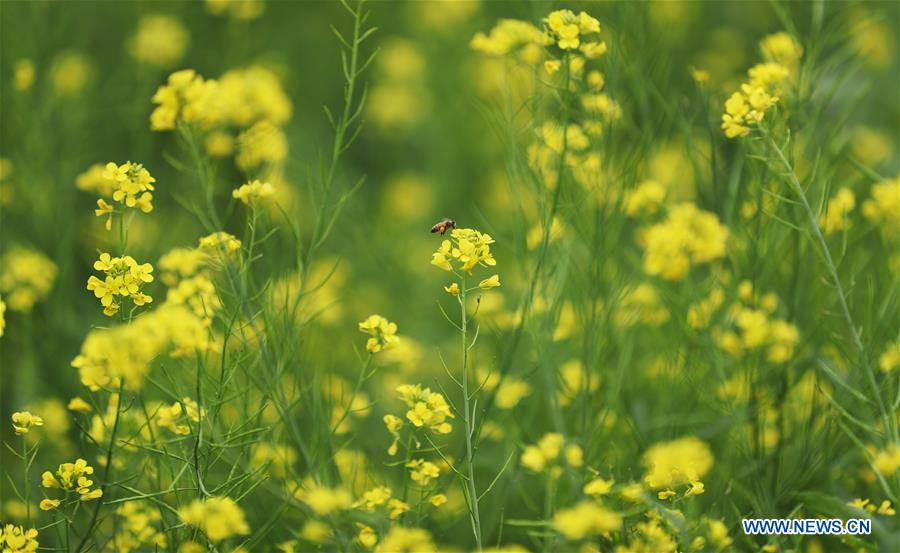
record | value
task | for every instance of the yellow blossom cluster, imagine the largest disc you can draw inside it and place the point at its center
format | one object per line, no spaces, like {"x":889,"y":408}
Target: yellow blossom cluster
{"x":252,"y":191}
{"x":748,"y":105}
{"x":688,"y":236}
{"x":131,"y":186}
{"x":883,"y":208}
{"x":219,"y":518}
{"x":781,"y":48}
{"x":467,"y":247}
{"x":406,"y":539}
{"x":324,"y":500}
{"x":885,"y":508}
{"x":124,"y":278}
{"x":15,"y":539}
{"x":242,"y":113}
{"x":178,"y":416}
{"x":22,"y":422}
{"x":549,"y":452}
{"x":682,"y":461}
{"x":70,"y":477}
{"x":126,"y":351}
{"x":836,"y":213}
{"x":26,"y":276}
{"x":586,"y":519}
{"x":426,"y":408}
{"x":748,"y":325}
{"x":512,"y":36}
{"x":159,"y":40}
{"x":138,"y":528}
{"x":220,"y":242}
{"x":422,"y":472}
{"x":240,"y":10}
{"x":575,"y":32}
{"x":890,"y":359}
{"x":383,"y":333}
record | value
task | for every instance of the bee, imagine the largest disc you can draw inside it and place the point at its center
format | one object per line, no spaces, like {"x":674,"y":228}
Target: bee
{"x":443,"y":226}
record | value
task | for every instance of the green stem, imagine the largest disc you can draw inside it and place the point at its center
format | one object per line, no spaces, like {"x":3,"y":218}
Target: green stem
{"x":107,"y":469}
{"x":467,"y":420}
{"x":794,"y":183}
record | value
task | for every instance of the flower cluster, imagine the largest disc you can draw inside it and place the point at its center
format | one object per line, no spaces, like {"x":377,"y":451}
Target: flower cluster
{"x":426,"y":408}
{"x":383,"y":333}
{"x":682,"y":461}
{"x":70,"y":477}
{"x":549,"y":452}
{"x":883,"y":208}
{"x":467,"y":247}
{"x":124,"y":278}
{"x":748,"y":106}
{"x":126,"y":351}
{"x":575,"y":32}
{"x":687,"y":236}
{"x":839,"y":207}
{"x":422,"y":472}
{"x":220,"y":242}
{"x":252,"y":191}
{"x":173,"y":417}
{"x":219,"y":518}
{"x":159,"y":40}
{"x":748,"y":325}
{"x":186,"y":95}
{"x":15,"y":539}
{"x":131,"y":185}
{"x":26,"y":276}
{"x":586,"y":519}
{"x":23,"y":421}
{"x":322,"y":499}
{"x":138,"y":528}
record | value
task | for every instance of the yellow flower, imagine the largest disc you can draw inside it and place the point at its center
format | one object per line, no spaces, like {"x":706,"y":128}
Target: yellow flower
{"x":394,"y":424}
{"x":23,"y":421}
{"x":383,"y":332}
{"x":397,"y":508}
{"x":159,"y":40}
{"x":488,"y":283}
{"x":131,"y":186}
{"x":453,"y":289}
{"x":15,"y":539}
{"x":781,"y":48}
{"x":73,"y":477}
{"x":696,"y":488}
{"x":23,"y":74}
{"x":676,"y":462}
{"x":438,"y":499}
{"x":687,"y":236}
{"x":26,"y":276}
{"x":374,"y":498}
{"x":323,"y":500}
{"x":49,"y":504}
{"x":468,"y":247}
{"x":366,"y":536}
{"x":665,"y":494}
{"x":422,"y":471}
{"x":218,"y":517}
{"x":401,"y":539}
{"x":253,"y":190}
{"x":598,"y":486}
{"x":427,"y":408}
{"x":80,"y":405}
{"x":586,"y":519}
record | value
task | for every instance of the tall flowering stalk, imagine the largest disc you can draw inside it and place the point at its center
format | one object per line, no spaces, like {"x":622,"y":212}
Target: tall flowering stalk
{"x":464,"y":251}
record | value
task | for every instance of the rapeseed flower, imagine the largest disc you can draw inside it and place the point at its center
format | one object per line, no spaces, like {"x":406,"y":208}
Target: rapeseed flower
{"x":124,"y":278}
{"x":159,"y":40}
{"x":677,"y":462}
{"x":72,"y":477}
{"x":586,"y":519}
{"x":26,"y":277}
{"x":427,"y":409}
{"x":23,"y":421}
{"x":383,"y":332}
{"x":252,"y":191}
{"x":688,"y":236}
{"x":219,"y":518}
{"x":467,"y":247}
{"x":15,"y":539}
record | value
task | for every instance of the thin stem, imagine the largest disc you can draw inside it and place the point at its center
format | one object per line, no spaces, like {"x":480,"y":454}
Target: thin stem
{"x":467,"y":416}
{"x":107,"y":469}
{"x":794,"y":183}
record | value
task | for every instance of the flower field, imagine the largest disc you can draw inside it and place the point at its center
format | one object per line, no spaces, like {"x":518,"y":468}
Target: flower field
{"x":448,"y":275}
